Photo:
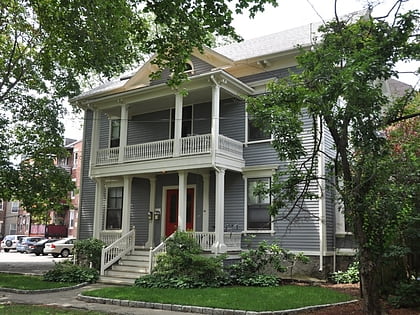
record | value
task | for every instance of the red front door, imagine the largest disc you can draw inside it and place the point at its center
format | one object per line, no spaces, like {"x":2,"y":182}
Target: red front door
{"x":172,"y":210}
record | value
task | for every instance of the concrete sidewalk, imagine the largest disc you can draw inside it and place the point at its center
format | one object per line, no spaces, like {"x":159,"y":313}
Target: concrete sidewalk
{"x":68,"y":299}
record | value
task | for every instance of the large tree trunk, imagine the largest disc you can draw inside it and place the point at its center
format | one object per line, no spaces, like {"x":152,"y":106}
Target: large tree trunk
{"x":369,"y":284}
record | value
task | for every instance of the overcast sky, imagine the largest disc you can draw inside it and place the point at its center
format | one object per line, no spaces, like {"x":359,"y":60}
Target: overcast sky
{"x":293,"y":13}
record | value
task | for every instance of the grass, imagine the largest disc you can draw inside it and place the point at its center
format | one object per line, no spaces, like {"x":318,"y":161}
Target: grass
{"x":25,"y":282}
{"x":19,"y":309}
{"x":239,"y":298}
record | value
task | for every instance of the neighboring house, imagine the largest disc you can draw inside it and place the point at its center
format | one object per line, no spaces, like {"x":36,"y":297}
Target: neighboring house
{"x":72,"y":164}
{"x":10,"y":217}
{"x":159,"y":160}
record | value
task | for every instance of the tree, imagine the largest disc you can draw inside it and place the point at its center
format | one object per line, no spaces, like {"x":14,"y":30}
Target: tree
{"x":48,"y":47}
{"x":340,"y":85}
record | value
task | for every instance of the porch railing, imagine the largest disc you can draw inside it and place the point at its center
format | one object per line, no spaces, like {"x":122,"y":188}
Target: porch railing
{"x":109,"y":237}
{"x":204,"y":239}
{"x":113,"y":252}
{"x":193,"y":145}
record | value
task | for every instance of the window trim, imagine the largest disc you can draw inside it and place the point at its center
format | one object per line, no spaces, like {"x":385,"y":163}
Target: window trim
{"x":266,"y":171}
{"x":247,"y":141}
{"x":107,"y":208}
{"x":111,"y":121}
{"x":12,"y":208}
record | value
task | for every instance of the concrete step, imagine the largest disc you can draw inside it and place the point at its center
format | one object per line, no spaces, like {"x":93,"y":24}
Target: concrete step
{"x":118,"y":281}
{"x":123,"y":274}
{"x":133,"y":269}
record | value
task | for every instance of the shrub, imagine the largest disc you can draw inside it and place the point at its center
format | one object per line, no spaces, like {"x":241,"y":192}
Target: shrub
{"x":407,"y":294}
{"x":68,"y":272}
{"x":260,"y":281}
{"x":88,"y":252}
{"x":183,"y":267}
{"x":351,"y":275}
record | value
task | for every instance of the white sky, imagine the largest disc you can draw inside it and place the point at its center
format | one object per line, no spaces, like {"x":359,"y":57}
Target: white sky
{"x":290,"y":14}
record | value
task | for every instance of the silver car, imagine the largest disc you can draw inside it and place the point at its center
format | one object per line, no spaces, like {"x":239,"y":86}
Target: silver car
{"x":62,"y":247}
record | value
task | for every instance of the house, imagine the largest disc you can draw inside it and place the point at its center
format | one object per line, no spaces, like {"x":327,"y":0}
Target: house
{"x":157,"y":159}
{"x":9,"y":217}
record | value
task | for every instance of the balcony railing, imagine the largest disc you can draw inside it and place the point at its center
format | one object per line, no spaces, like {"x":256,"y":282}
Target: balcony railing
{"x":194,"y":145}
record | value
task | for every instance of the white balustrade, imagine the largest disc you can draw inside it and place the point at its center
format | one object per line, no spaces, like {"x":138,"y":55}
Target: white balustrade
{"x":109,"y":237}
{"x":195,"y":145}
{"x":149,"y":151}
{"x":230,"y":146}
{"x":107,"y":156}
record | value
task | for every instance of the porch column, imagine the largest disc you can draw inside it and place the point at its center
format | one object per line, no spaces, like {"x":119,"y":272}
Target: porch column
{"x":219,"y":245}
{"x":123,"y":132}
{"x":94,"y":145}
{"x":98,"y":209}
{"x":178,"y":124}
{"x":206,"y":189}
{"x":125,"y":224}
{"x":215,"y":113}
{"x":182,"y":200}
{"x":152,"y":196}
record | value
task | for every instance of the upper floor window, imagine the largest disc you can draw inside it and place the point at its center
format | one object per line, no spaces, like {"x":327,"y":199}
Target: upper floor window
{"x":75,"y":159}
{"x":255,"y":133}
{"x":114,"y":208}
{"x":187,"y":122}
{"x":115,"y":133}
{"x":258,"y":216}
{"x":15,"y":206}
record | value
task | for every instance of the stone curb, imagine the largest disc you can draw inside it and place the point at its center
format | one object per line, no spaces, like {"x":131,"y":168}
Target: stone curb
{"x":20,"y":291}
{"x":199,"y":309}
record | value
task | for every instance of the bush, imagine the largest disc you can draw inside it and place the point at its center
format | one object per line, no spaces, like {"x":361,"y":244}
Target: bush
{"x":67,"y":272}
{"x":88,"y":252}
{"x":407,"y":294}
{"x":351,"y":275}
{"x":183,"y":267}
{"x":260,"y":281}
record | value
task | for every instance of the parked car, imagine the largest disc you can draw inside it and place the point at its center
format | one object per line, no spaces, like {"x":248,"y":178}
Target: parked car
{"x":38,"y":247}
{"x":10,"y":242}
{"x":62,"y":247}
{"x":23,"y":245}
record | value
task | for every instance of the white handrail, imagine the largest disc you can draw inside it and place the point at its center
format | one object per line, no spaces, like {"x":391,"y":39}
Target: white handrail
{"x":160,"y":249}
{"x":112,"y":253}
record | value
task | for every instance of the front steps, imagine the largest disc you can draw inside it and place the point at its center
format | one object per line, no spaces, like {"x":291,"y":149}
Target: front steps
{"x":128,"y":269}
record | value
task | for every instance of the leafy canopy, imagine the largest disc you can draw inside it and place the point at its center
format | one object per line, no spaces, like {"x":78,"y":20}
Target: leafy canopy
{"x":48,"y":47}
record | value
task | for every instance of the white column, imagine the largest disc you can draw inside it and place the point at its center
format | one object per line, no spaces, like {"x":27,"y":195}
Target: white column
{"x":98,"y":210}
{"x":206,"y":203}
{"x":94,"y":143}
{"x":215,"y":114}
{"x":152,"y":197}
{"x":219,"y":245}
{"x":126,"y":205}
{"x":182,"y":200}
{"x":178,"y":123}
{"x":123,"y":131}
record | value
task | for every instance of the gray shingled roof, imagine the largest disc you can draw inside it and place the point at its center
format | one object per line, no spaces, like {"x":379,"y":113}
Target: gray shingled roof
{"x":270,"y":44}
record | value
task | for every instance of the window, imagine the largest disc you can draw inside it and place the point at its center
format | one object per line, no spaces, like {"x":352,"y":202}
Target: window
{"x":75,"y":159}
{"x":12,"y":229}
{"x":71,"y":219}
{"x":258,"y":216}
{"x":114,"y":208}
{"x":15,"y":206}
{"x":1,"y":204}
{"x":255,"y":133}
{"x":187,"y":127}
{"x":115,"y":133}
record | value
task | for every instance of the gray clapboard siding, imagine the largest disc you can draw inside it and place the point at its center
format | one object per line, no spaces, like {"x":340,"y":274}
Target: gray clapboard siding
{"x":140,"y":208}
{"x":104,"y":131}
{"x":202,"y":118}
{"x":232,"y":119}
{"x":87,"y":193}
{"x":148,"y":127}
{"x":234,"y":202}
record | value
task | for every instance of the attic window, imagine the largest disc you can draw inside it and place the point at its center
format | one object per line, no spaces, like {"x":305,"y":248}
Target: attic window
{"x":188,"y":67}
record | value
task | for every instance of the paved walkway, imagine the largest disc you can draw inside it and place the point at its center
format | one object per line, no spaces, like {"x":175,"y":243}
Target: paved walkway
{"x":68,"y":298}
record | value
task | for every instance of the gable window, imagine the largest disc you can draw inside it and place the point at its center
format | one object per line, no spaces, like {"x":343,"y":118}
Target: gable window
{"x":258,"y":217}
{"x":255,"y":133}
{"x":114,"y":208}
{"x":187,"y":119}
{"x":115,"y":133}
{"x":15,"y":206}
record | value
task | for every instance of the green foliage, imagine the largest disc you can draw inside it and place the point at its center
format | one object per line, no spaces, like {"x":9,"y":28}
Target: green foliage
{"x":67,"y":272}
{"x":407,"y":294}
{"x":258,"y":265}
{"x":183,"y":267}
{"x":88,"y":252}
{"x":351,"y":275}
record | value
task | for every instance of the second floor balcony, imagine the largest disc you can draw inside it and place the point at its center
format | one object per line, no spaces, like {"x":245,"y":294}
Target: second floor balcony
{"x":193,"y":151}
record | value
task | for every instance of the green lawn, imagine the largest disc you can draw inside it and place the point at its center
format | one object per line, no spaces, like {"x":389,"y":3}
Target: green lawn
{"x":42,"y":310}
{"x":240,"y":298}
{"x":25,"y":282}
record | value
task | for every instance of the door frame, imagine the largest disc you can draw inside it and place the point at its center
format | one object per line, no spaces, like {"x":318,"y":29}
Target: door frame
{"x":163,"y":213}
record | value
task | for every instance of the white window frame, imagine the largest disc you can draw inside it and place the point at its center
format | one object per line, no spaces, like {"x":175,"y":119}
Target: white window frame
{"x":252,"y":173}
{"x":247,"y":141}
{"x":15,"y":206}
{"x":71,"y":219}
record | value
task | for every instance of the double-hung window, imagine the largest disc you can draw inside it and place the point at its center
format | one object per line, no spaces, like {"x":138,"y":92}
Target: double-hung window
{"x":258,"y":217}
{"x":114,"y":208}
{"x":115,"y":133}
